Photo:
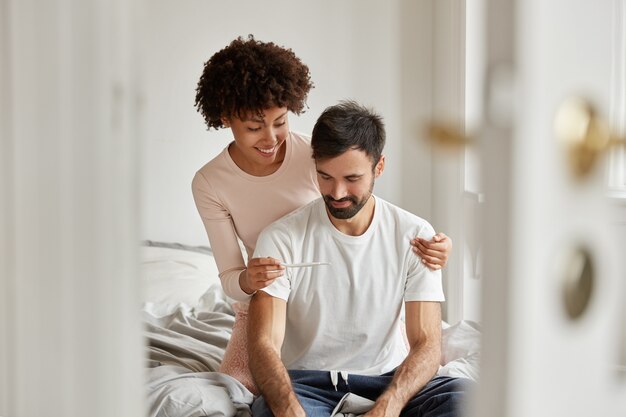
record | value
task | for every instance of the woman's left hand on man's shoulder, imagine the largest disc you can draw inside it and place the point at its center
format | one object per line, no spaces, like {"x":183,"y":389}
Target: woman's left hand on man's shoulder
{"x":434,"y":252}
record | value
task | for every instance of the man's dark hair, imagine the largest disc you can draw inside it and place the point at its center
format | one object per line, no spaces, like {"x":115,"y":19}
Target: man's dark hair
{"x":249,"y":76}
{"x":348,"y":125}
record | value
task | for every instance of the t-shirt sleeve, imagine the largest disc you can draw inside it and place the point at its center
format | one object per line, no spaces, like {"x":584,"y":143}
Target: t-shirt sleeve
{"x":422,"y":284}
{"x":222,"y":236}
{"x":274,"y":242}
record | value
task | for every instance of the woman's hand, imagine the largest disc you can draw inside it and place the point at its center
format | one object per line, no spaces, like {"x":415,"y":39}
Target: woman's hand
{"x":435,"y":252}
{"x":260,"y":273}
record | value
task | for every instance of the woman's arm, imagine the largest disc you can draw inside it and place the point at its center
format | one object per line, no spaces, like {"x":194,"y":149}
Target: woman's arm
{"x":222,"y":237}
{"x":238,"y":280}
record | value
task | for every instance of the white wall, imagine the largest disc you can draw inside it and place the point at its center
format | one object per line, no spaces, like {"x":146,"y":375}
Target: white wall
{"x":352,"y":49}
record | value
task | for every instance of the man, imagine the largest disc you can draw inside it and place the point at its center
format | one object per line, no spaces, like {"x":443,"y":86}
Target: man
{"x":340,"y":323}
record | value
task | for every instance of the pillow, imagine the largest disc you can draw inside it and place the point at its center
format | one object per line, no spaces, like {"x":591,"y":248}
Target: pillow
{"x":174,"y":245}
{"x":172,"y":275}
{"x":460,"y":341}
{"x":460,"y":353}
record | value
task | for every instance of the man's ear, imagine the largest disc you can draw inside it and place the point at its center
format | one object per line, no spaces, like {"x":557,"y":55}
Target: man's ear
{"x":225,"y":121}
{"x":380,"y":166}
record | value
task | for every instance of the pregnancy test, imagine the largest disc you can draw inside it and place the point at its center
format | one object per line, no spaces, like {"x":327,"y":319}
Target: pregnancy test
{"x":305,"y":264}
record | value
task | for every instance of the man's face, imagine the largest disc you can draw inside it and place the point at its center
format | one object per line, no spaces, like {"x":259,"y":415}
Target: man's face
{"x":346,"y":182}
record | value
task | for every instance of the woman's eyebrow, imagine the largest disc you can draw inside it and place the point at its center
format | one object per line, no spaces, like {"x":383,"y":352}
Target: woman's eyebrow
{"x":282,"y":115}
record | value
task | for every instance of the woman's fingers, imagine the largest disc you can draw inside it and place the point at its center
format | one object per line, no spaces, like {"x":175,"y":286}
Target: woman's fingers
{"x":269,"y":277}
{"x":264,"y":261}
{"x":442,"y":244}
{"x":431,"y":256}
{"x":263,"y":271}
{"x":439,"y":237}
{"x":435,"y":252}
{"x":433,"y":263}
{"x":422,"y":249}
{"x":262,"y":265}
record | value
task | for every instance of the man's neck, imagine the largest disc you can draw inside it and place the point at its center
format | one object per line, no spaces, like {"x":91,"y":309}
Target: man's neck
{"x":358,"y":224}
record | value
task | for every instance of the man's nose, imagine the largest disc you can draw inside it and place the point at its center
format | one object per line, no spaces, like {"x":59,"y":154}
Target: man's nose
{"x":338,"y":191}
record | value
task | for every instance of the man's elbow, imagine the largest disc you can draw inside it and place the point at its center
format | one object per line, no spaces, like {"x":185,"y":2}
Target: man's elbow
{"x":431,"y":346}
{"x":436,"y":354}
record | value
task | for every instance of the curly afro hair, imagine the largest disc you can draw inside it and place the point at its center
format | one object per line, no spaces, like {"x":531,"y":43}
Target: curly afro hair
{"x":249,"y":76}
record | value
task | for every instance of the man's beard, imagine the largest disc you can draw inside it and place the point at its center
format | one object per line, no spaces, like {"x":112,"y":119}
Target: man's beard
{"x":349,"y":212}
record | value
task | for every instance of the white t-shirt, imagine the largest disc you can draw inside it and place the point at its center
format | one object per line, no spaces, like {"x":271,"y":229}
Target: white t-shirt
{"x":346,"y":316}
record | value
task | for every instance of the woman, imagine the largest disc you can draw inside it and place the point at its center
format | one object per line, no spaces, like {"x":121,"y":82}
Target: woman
{"x":265,"y":173}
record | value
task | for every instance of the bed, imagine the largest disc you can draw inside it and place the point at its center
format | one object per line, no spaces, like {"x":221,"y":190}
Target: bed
{"x":187,"y":323}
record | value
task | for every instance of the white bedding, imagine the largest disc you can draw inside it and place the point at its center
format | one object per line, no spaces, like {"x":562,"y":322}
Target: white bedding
{"x":188,"y":321}
{"x":175,"y":277}
{"x":184,"y":350}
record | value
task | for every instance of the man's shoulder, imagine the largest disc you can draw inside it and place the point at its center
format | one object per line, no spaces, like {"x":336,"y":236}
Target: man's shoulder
{"x":404,"y":220}
{"x":399,"y":214}
{"x":295,"y":219}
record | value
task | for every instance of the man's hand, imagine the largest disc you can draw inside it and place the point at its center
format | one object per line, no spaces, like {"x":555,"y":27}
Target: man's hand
{"x":434,"y":252}
{"x":385,"y":408}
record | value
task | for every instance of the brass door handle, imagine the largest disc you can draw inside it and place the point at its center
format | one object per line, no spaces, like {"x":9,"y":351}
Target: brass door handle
{"x":586,"y":135}
{"x":448,"y":135}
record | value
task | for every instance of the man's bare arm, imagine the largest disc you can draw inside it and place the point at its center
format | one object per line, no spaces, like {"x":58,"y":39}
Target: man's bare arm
{"x":266,"y":331}
{"x":423,"y":325}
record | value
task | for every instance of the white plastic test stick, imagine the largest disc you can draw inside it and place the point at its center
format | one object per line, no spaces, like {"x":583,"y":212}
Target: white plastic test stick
{"x":305,"y":264}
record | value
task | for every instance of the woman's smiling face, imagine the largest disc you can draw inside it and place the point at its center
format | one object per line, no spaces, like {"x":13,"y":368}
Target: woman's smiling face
{"x":259,"y":146}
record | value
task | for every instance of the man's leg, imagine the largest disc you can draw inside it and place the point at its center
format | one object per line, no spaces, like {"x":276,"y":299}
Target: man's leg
{"x":314,"y":390}
{"x":442,"y":397}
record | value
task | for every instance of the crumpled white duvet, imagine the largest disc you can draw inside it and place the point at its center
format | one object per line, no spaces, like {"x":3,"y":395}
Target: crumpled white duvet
{"x":174,"y":391}
{"x":184,"y":350}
